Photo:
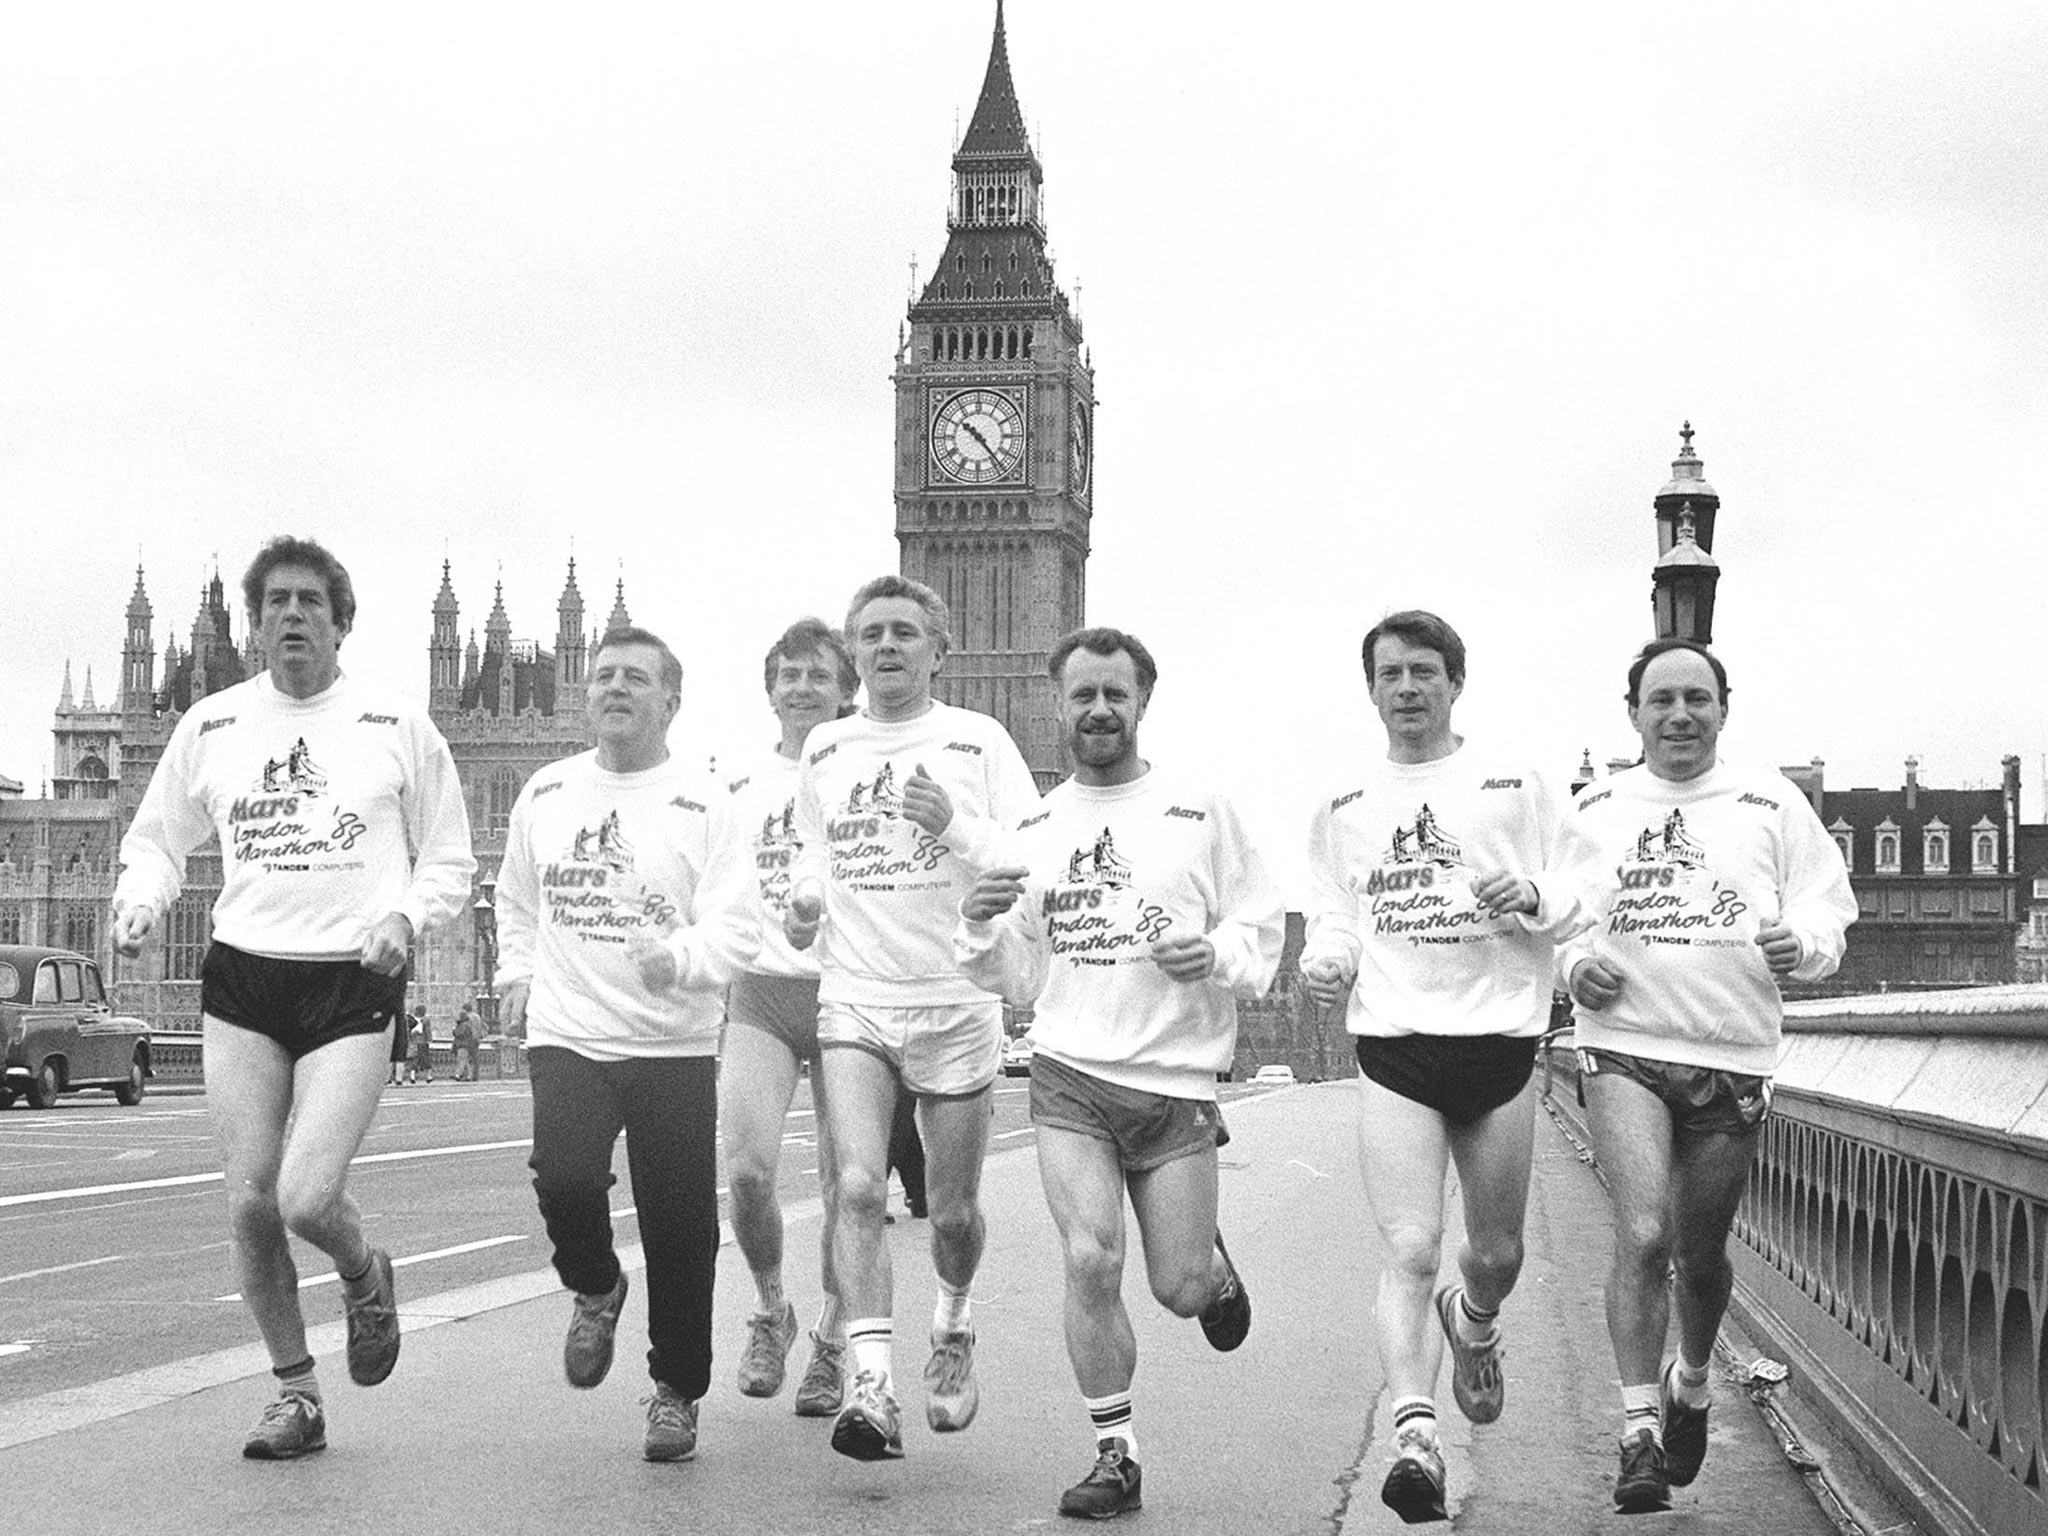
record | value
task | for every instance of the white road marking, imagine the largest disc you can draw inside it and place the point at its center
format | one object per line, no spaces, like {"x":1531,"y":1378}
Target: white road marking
{"x":16,"y":1348}
{"x":43,"y":1197}
{"x":332,"y":1276}
{"x":60,"y":1269}
{"x":1296,"y":1162}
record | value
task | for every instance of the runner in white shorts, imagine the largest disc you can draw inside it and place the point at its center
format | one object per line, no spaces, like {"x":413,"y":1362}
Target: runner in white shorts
{"x":898,"y":809}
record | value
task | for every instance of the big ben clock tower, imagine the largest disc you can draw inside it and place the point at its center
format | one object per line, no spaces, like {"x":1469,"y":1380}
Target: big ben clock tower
{"x":995,"y":433}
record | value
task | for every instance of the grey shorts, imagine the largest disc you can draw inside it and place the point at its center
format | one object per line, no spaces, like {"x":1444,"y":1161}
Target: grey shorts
{"x":785,"y":1007}
{"x":1148,"y":1130}
{"x":1702,"y":1101}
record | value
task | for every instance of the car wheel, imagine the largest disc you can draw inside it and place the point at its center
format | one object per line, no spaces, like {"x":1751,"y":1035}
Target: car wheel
{"x":44,"y":1087}
{"x":130,"y":1092}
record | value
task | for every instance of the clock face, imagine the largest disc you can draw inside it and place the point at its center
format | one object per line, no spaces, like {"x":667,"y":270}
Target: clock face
{"x":1080,"y":451}
{"x":978,"y":437}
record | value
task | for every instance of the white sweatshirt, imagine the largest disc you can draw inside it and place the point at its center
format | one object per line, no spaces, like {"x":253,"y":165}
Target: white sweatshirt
{"x":595,"y":860}
{"x":764,"y":812}
{"x":1392,"y":858}
{"x":333,"y":812}
{"x":1676,"y":879}
{"x":891,"y":890}
{"x":1113,"y":871}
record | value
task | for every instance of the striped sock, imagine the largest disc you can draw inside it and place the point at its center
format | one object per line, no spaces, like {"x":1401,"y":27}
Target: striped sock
{"x":1639,"y":1412}
{"x":1474,"y":1326}
{"x":1417,"y":1413}
{"x":298,"y":1379}
{"x":872,"y":1339}
{"x":1111,"y":1417}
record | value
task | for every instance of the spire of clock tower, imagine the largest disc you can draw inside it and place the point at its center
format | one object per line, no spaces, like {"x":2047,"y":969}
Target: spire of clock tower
{"x":995,"y":431}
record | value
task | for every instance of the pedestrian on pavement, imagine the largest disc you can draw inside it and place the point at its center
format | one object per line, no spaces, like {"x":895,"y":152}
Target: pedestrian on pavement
{"x":898,"y":809}
{"x":1705,"y":882}
{"x":317,"y":785}
{"x":422,"y":1046}
{"x":464,"y":1041}
{"x":401,"y":1049}
{"x":771,"y":1032}
{"x":622,"y":914}
{"x":1134,"y":912}
{"x":1428,"y":920}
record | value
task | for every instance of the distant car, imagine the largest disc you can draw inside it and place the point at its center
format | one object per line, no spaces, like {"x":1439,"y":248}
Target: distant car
{"x":1273,"y":1077}
{"x":1017,"y":1056}
{"x":60,"y":1034}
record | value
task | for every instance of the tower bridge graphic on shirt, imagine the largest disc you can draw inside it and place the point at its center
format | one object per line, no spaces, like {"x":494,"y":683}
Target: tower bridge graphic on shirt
{"x":1424,"y":842}
{"x":605,"y":844}
{"x":1669,"y":844}
{"x":295,"y":771}
{"x":876,"y":795}
{"x":778,"y":828}
{"x":1099,"y":865}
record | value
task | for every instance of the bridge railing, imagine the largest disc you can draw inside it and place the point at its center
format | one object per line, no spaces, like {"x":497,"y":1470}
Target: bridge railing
{"x":1893,"y":1242}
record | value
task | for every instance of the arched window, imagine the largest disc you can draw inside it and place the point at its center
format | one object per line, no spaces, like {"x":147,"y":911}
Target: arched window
{"x":1888,"y":848}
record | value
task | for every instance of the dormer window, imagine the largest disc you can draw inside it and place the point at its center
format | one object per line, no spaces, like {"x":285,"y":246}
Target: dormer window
{"x":1934,"y":847}
{"x":1845,"y":839}
{"x":1984,"y":847}
{"x":1887,"y":847}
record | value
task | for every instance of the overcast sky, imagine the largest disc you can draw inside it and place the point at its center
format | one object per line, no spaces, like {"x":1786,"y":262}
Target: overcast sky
{"x":1389,"y":306}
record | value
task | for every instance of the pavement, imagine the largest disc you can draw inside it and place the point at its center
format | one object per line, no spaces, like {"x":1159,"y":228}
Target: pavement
{"x":476,"y":1430}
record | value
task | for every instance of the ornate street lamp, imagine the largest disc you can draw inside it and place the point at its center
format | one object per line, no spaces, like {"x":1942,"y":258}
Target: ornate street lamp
{"x":485,"y":915}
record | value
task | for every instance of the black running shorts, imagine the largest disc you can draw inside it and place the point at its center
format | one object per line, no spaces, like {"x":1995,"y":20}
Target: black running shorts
{"x":301,"y":1004}
{"x":1461,"y":1077}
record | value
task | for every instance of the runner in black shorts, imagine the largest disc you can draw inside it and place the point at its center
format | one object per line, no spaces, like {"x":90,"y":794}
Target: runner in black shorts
{"x":1133,"y":897}
{"x":1429,"y":921}
{"x":771,"y":1015}
{"x":343,"y":821}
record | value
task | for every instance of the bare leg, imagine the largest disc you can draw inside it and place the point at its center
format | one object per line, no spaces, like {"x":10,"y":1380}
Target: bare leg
{"x":1084,"y":1189}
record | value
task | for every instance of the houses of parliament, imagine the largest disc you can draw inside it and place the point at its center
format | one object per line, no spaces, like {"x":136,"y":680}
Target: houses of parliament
{"x":993,"y":488}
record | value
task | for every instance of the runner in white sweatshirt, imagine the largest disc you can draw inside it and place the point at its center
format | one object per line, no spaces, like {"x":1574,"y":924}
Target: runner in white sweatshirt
{"x":1703,"y":883}
{"x":771,"y":1016}
{"x":317,"y":787}
{"x":1133,"y":912}
{"x":898,"y":809}
{"x":623,"y":911}
{"x":1432,"y":916}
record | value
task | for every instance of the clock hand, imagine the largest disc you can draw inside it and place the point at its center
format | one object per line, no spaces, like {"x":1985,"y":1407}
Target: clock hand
{"x":971,"y":431}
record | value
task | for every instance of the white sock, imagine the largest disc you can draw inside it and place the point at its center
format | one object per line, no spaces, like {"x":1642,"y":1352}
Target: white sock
{"x":954,"y":1312}
{"x":1111,"y":1417}
{"x":872,"y":1340}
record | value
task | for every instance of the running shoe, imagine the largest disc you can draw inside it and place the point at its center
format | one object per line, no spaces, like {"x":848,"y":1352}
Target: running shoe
{"x":1643,"y":1486}
{"x":671,"y":1426}
{"x":951,"y":1393}
{"x":1414,"y":1488}
{"x":593,"y":1321}
{"x":1685,"y":1432}
{"x":823,"y":1388}
{"x":1228,"y":1317}
{"x":292,"y":1425}
{"x":1476,"y":1380}
{"x":763,"y":1363}
{"x":372,"y":1325}
{"x":1114,"y":1486}
{"x":870,"y":1426}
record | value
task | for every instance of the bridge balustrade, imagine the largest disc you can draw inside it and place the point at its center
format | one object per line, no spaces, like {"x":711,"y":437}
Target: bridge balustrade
{"x":1894,"y":1238}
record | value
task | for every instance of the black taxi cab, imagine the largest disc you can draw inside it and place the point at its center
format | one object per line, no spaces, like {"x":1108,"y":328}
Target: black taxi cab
{"x":59,"y":1032}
